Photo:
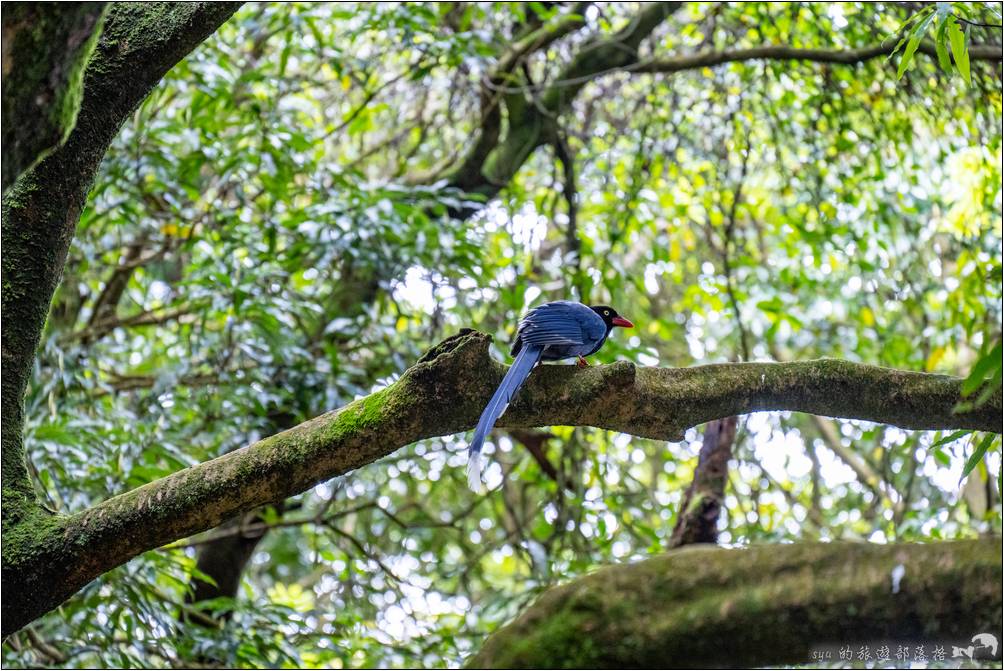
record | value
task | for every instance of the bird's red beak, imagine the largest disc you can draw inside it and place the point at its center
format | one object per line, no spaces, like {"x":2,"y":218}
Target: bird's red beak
{"x":620,"y":321}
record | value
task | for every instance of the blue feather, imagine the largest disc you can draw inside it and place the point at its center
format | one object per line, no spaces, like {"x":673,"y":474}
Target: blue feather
{"x":513,"y":380}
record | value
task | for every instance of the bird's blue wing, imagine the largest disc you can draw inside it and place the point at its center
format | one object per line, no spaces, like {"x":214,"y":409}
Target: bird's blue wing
{"x":557,"y":323}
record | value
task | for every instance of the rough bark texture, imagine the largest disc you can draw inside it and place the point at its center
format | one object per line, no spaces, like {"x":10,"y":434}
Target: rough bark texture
{"x":46,"y":47}
{"x":49,"y":558}
{"x":697,"y":520}
{"x":138,"y":45}
{"x":707,"y":607}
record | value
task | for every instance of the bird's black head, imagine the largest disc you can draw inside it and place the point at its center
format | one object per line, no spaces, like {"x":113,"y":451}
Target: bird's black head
{"x":610,"y":316}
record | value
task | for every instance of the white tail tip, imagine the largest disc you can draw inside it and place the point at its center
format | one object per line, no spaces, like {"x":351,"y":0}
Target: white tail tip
{"x":474,"y":465}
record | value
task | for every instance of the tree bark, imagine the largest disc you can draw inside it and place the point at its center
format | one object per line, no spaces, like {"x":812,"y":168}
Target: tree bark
{"x":697,"y":519}
{"x":46,"y":47}
{"x":47,"y":559}
{"x":707,"y":607}
{"x":138,"y":45}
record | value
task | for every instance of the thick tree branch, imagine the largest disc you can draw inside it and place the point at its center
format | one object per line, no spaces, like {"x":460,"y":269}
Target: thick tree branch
{"x":497,"y":156}
{"x":706,"y":607}
{"x":47,"y":560}
{"x":783,"y":52}
{"x":46,"y":47}
{"x":138,"y":45}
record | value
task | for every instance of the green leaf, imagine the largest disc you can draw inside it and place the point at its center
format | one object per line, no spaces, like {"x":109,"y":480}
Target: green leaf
{"x":958,"y":41}
{"x":941,"y":47}
{"x":951,"y":438}
{"x":982,"y":369}
{"x":977,"y":454}
{"x":911,"y":49}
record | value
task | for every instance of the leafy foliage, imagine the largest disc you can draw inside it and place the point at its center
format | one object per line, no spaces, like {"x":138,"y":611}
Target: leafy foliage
{"x":950,"y":23}
{"x":270,"y":238}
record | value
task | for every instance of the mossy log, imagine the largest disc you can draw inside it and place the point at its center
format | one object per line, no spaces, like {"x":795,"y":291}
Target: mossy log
{"x":46,"y":558}
{"x":708,"y":607}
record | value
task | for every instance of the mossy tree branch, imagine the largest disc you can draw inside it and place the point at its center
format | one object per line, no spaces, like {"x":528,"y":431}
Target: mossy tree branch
{"x":46,"y":47}
{"x":138,"y":45}
{"x":51,"y":558}
{"x":707,"y":607}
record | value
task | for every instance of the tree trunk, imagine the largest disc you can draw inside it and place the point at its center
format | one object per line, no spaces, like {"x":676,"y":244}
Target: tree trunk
{"x":697,"y":520}
{"x":46,"y":47}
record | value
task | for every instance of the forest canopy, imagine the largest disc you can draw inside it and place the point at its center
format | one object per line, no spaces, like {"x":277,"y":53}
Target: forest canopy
{"x":304,"y":227}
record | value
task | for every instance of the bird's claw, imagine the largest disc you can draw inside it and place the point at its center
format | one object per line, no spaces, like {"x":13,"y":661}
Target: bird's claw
{"x":582,"y":363}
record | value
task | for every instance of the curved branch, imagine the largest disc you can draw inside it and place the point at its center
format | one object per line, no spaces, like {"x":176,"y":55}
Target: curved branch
{"x":706,"y":607}
{"x":496,"y":157}
{"x":782,"y":52}
{"x":138,"y":45}
{"x":46,"y":559}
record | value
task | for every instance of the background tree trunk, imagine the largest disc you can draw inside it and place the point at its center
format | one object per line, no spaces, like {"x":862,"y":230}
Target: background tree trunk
{"x":697,"y":519}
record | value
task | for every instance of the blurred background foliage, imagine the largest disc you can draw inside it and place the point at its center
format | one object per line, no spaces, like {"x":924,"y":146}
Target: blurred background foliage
{"x":270,"y":237}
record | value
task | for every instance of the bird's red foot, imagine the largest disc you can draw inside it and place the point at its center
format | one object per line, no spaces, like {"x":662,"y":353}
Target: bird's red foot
{"x":582,"y":363}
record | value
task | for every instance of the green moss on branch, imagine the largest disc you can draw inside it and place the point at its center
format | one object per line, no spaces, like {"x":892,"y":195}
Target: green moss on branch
{"x":444,"y":393}
{"x":46,"y":47}
{"x":708,"y":607}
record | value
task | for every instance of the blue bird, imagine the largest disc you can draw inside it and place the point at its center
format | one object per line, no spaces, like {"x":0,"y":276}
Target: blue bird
{"x":550,"y":332}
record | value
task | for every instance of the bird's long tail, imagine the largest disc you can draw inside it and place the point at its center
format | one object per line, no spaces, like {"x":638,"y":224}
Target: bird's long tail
{"x":513,"y":380}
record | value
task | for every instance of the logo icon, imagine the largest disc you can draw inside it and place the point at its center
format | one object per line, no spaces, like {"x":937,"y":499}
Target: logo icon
{"x":979,"y":641}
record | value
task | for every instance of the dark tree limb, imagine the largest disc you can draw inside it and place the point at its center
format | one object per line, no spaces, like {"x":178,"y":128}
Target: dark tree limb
{"x":46,"y":559}
{"x":707,"y":607}
{"x":223,"y":559}
{"x":501,"y":150}
{"x":783,"y":52}
{"x":46,"y":47}
{"x":139,"y":44}
{"x":697,"y":520}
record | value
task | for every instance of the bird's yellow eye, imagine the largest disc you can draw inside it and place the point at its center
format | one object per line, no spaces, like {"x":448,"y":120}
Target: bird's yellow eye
{"x":606,"y":312}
